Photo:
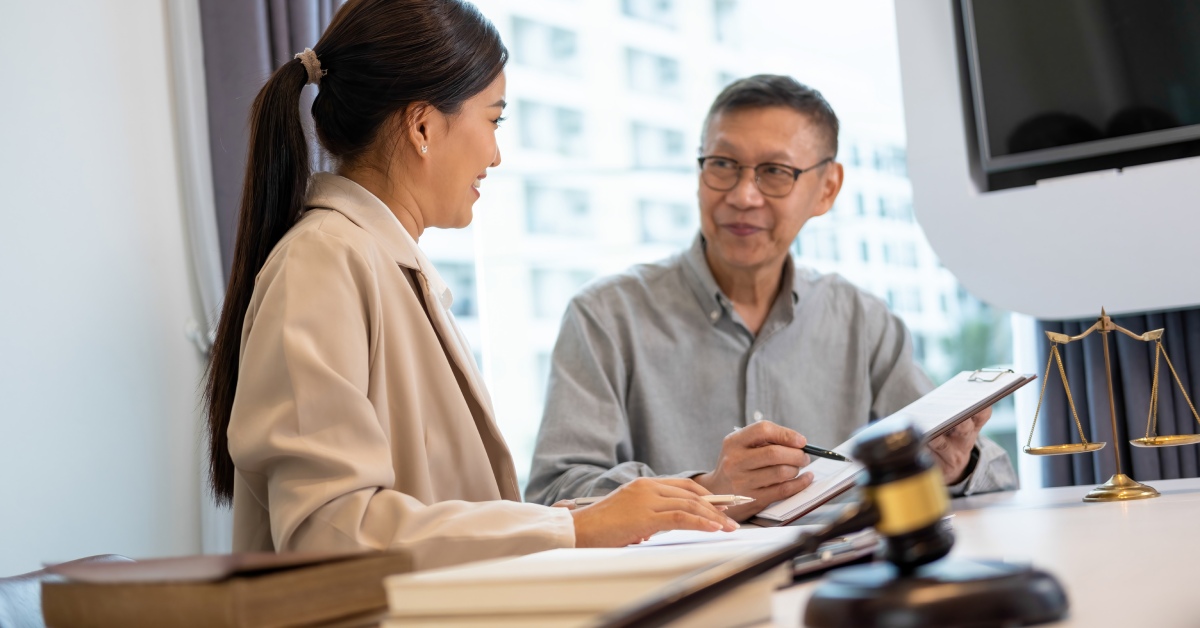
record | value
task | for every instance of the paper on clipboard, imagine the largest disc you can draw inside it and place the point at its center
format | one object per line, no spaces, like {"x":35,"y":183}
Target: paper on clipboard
{"x":932,"y":415}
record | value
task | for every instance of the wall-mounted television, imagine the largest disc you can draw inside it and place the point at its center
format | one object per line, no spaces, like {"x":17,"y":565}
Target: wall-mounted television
{"x":1061,"y":87}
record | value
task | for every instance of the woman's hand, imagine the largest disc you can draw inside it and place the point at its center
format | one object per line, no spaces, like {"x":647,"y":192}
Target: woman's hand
{"x":637,"y":510}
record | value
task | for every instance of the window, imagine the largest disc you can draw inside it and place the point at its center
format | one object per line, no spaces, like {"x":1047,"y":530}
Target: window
{"x":542,"y":372}
{"x":667,"y":222}
{"x":553,"y":289}
{"x":724,"y":21}
{"x":550,"y":128}
{"x":544,"y":46}
{"x":656,"y":147}
{"x":607,"y":99}
{"x":460,"y":278}
{"x":899,"y":161}
{"x":652,"y":74}
{"x":557,"y":211}
{"x":658,"y":11}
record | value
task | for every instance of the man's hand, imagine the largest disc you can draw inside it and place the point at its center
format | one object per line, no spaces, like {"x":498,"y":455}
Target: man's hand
{"x":759,"y":461}
{"x":952,"y":450}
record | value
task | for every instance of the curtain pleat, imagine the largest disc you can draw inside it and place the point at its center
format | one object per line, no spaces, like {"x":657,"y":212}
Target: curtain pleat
{"x":244,"y":42}
{"x":1132,"y":364}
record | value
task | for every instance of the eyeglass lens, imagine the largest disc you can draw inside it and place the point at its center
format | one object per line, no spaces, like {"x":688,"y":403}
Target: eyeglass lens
{"x":723,"y":174}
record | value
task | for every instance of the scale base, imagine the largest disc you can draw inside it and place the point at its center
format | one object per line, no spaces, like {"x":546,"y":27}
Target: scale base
{"x":979,"y":594}
{"x":1120,"y":488}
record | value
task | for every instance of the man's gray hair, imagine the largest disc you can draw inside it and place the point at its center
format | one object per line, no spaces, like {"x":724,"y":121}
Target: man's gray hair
{"x":774,"y":90}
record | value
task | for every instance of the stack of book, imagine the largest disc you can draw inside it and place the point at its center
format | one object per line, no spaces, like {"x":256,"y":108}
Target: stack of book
{"x":575,"y":587}
{"x":226,"y":590}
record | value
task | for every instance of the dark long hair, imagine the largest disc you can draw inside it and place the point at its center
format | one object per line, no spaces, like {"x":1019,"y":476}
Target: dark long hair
{"x":380,"y":56}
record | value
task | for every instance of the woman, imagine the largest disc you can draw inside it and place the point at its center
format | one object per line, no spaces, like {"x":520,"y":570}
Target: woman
{"x":345,"y":409}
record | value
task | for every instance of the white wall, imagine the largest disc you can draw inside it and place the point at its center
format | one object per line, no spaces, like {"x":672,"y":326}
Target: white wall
{"x":1063,"y":248}
{"x":99,"y":429}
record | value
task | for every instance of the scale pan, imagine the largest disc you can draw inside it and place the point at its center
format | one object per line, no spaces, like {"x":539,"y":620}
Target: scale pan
{"x":1070,"y":448}
{"x":1166,"y":441}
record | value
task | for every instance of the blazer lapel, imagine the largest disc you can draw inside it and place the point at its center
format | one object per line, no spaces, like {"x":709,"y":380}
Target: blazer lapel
{"x":367,"y":211}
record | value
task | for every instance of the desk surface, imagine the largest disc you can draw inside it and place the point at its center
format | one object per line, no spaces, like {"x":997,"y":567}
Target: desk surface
{"x":1122,"y":563}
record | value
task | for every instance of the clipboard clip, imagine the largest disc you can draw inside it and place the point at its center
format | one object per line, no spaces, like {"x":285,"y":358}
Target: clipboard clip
{"x":987,"y":375}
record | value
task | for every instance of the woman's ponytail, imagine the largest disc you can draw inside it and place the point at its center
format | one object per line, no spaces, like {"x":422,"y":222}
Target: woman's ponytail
{"x":277,"y":172}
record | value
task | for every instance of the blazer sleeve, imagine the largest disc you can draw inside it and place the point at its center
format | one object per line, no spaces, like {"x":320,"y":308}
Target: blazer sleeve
{"x":304,"y":427}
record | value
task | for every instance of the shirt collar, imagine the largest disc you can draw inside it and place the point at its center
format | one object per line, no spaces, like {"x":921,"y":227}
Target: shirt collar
{"x":708,"y":294}
{"x":330,"y":191}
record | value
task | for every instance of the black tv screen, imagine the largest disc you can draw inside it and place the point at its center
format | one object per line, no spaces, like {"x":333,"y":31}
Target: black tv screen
{"x":1061,"y":80}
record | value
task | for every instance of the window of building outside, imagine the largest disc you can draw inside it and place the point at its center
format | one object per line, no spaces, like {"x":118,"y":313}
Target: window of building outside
{"x":460,"y":278}
{"x":551,"y":128}
{"x":657,"y":11}
{"x":558,"y":211}
{"x":652,"y":73}
{"x":554,"y":287}
{"x":667,"y":222}
{"x":657,"y":147}
{"x":544,"y":46}
{"x":725,"y":15}
{"x":597,"y":177}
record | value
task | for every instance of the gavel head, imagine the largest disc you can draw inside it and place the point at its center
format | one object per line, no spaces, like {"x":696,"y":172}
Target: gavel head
{"x":909,"y":493}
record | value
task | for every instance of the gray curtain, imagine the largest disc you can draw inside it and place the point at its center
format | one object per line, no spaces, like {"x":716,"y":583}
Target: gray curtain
{"x":244,"y":42}
{"x":1132,"y":369}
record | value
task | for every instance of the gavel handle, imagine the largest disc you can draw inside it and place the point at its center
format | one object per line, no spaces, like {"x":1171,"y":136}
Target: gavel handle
{"x":855,"y":517}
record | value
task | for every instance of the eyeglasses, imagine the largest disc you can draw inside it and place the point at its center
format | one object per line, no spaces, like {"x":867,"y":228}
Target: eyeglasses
{"x":776,"y":180}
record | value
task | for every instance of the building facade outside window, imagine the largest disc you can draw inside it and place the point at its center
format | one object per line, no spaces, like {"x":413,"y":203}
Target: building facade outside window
{"x":652,"y":73}
{"x":662,"y":12}
{"x":599,"y":174}
{"x":551,"y":128}
{"x":544,"y":46}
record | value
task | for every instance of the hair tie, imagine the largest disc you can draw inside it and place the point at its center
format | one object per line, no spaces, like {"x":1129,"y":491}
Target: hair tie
{"x":309,"y":59}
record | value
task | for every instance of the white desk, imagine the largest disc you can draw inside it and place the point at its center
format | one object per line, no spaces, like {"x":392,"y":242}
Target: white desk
{"x":1122,"y":564}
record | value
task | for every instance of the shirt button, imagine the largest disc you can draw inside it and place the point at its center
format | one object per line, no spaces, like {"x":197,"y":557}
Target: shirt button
{"x":758,"y":415}
{"x":715,"y":314}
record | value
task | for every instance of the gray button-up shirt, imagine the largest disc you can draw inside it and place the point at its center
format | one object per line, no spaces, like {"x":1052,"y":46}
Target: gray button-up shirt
{"x":653,"y":368}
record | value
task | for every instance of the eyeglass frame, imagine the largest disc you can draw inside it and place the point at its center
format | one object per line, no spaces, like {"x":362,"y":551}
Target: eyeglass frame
{"x":796,"y":172}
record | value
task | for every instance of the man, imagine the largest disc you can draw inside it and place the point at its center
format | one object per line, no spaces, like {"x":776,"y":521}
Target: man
{"x":718,"y":364}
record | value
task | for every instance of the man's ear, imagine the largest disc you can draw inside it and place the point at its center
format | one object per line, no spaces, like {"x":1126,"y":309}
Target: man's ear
{"x":831,"y":184}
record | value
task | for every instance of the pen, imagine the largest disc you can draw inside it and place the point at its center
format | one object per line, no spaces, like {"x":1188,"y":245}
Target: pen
{"x":715,"y":500}
{"x":813,"y":450}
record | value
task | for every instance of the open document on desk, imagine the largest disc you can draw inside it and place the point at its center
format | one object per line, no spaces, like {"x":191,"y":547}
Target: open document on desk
{"x":958,"y":399}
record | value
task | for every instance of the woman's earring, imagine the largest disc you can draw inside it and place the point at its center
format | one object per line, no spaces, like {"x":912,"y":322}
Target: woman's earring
{"x":424,"y":149}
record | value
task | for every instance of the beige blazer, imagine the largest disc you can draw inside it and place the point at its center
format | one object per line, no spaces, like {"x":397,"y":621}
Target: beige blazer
{"x":361,"y":420}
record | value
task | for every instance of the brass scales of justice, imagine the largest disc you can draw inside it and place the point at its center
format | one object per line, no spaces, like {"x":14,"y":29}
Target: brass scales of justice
{"x":1119,"y":487}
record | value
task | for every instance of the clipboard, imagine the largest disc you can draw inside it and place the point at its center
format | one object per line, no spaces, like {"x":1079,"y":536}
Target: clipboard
{"x":934,"y":414}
